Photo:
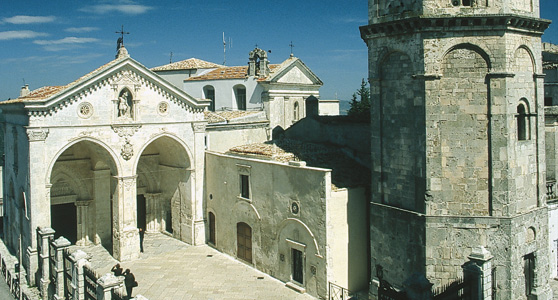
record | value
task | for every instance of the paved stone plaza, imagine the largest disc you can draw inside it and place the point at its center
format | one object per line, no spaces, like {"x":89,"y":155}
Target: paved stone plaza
{"x":171,"y":269}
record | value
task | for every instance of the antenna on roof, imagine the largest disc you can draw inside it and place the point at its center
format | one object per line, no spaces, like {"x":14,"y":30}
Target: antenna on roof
{"x":23,"y":81}
{"x":170,"y":60}
{"x":224,"y":50}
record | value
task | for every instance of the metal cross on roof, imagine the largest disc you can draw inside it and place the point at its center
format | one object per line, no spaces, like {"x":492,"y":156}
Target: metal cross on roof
{"x":291,"y":45}
{"x":120,"y":41}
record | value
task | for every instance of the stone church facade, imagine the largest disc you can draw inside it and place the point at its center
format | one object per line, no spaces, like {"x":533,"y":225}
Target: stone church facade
{"x":115,"y":150}
{"x":458,"y":155}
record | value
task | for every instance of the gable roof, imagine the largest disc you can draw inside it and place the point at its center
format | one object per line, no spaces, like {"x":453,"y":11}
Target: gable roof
{"x":188,"y":64}
{"x":289,"y":64}
{"x":47,"y":98}
{"x":46,"y":92}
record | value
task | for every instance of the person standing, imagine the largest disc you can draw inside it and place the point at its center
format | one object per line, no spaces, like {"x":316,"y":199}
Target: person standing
{"x":130,"y":282}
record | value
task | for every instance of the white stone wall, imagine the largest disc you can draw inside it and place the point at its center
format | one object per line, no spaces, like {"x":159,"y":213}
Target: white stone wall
{"x":221,"y":138}
{"x":277,"y":228}
{"x":224,"y":92}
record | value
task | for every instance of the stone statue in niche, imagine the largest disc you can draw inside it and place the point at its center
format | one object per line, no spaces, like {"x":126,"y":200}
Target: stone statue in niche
{"x":125,"y":105}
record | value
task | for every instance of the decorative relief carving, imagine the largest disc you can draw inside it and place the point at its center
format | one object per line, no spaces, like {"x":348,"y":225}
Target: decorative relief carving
{"x":126,"y":131}
{"x":163,"y":108}
{"x":127,"y":150}
{"x":37,"y":135}
{"x":85,"y":110}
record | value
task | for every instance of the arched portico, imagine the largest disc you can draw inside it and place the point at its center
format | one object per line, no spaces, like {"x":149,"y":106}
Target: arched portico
{"x":165,"y":188}
{"x":82,"y":184}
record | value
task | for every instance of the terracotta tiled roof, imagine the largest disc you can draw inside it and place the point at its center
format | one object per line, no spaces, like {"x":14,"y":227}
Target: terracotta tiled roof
{"x":213,"y":117}
{"x":188,"y":64}
{"x":48,"y":91}
{"x":345,"y":171}
{"x":238,"y":72}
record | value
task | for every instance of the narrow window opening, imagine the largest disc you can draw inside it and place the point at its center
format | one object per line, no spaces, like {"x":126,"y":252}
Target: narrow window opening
{"x":244,"y":186}
{"x":522,"y":123}
{"x":240,"y":93}
{"x":547,"y":101}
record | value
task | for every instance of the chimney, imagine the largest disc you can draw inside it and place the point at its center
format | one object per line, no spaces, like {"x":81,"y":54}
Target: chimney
{"x":24,"y":91}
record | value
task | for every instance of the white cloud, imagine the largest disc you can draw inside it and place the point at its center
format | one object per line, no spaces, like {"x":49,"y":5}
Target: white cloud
{"x":66,"y":40}
{"x":29,"y":19}
{"x":129,"y":9}
{"x":20,"y":34}
{"x":81,"y":29}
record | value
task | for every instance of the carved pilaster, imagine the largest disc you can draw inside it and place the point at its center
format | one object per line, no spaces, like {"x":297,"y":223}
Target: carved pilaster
{"x":199,"y":127}
{"x":82,"y":212}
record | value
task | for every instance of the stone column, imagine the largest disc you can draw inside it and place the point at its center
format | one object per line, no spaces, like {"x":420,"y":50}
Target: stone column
{"x":106,"y":284}
{"x":102,"y":207}
{"x":479,"y":269}
{"x":125,"y":233}
{"x":196,"y":179}
{"x":83,"y":224}
{"x":45,"y":236}
{"x":59,"y":245}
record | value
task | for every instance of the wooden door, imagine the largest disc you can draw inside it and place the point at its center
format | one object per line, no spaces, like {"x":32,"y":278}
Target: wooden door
{"x":244,"y":241}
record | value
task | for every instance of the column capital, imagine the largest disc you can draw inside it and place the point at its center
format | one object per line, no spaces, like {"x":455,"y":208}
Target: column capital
{"x":37,"y":135}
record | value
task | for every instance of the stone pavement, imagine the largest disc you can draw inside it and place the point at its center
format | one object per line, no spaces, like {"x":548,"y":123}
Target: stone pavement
{"x":171,"y":269}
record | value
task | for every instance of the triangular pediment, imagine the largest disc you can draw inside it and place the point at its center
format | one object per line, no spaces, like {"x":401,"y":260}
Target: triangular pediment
{"x":294,"y":71}
{"x":118,"y":74}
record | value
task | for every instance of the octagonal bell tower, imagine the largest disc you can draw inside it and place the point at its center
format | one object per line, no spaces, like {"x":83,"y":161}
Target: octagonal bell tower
{"x":458,"y":141}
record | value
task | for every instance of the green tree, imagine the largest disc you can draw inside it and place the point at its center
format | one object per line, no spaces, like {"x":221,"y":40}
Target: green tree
{"x":360,"y":104}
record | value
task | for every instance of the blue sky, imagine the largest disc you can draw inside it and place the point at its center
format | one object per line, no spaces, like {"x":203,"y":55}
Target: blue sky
{"x":55,"y":42}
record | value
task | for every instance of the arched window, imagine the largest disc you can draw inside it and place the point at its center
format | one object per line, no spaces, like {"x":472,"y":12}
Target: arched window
{"x":523,"y":132}
{"x":240,"y":96}
{"x":296,"y":111}
{"x":209,"y":94}
{"x":244,"y":241}
{"x":211,"y":228}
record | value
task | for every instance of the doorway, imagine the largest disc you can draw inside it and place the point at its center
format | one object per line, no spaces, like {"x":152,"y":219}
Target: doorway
{"x":298,"y":265}
{"x":244,"y":241}
{"x":212,"y":228}
{"x":63,"y":219}
{"x":141,"y":212}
